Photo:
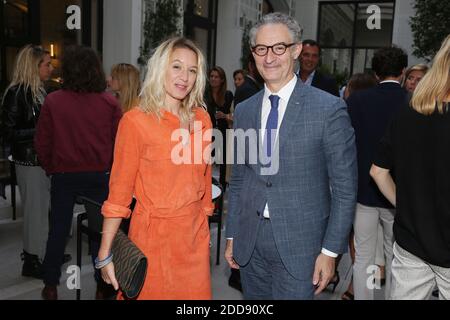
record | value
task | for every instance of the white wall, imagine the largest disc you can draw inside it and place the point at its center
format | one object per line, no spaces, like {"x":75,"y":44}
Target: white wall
{"x":122,"y":25}
{"x":307,"y":15}
{"x":229,"y":36}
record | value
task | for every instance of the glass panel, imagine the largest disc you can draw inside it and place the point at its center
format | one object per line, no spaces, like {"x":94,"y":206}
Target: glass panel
{"x":336,"y":62}
{"x":200,"y":36}
{"x":374,"y":29}
{"x":336,"y":25}
{"x":363,"y":60}
{"x":15,"y":18}
{"x":54,"y":30}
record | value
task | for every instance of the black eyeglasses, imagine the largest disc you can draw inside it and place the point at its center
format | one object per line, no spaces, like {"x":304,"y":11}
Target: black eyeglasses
{"x":278,"y":49}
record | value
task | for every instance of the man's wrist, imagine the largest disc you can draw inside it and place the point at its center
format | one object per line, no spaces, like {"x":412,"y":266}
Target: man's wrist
{"x":329,"y":253}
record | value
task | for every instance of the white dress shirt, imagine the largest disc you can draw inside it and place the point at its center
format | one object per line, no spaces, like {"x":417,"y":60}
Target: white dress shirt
{"x":308,"y":80}
{"x":387,"y":81}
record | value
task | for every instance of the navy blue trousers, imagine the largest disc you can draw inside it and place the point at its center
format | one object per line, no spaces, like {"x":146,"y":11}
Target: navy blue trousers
{"x":65,"y":187}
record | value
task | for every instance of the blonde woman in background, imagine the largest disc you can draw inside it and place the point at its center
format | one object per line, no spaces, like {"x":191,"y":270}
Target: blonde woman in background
{"x":416,"y":148}
{"x":413,"y":76}
{"x":21,"y":108}
{"x":125,"y":83}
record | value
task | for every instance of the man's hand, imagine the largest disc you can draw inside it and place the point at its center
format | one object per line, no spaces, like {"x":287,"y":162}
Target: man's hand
{"x":229,"y":255}
{"x":323,"y":272}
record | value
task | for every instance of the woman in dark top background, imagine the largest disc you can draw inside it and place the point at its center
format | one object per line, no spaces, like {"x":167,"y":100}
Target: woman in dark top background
{"x":219,"y":100}
{"x":21,"y":107}
{"x":357,"y":82}
{"x":74,"y":142}
{"x":417,"y":147}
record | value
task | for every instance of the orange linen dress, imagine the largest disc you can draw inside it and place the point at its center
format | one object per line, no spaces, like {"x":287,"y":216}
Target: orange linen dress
{"x":170,"y":221}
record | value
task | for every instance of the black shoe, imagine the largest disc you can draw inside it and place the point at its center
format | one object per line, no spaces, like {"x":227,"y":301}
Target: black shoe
{"x":105,"y":291}
{"x":49,"y":293}
{"x":32,"y":266}
{"x":235,"y":280}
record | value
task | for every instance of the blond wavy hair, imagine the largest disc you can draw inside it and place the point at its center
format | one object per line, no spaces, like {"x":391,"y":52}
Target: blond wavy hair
{"x":26,"y":71}
{"x":418,"y":67}
{"x":130,"y":84}
{"x":434,"y":88}
{"x":153,"y":93}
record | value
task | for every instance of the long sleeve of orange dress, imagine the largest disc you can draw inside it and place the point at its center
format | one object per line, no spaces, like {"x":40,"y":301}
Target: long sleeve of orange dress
{"x":170,"y":220}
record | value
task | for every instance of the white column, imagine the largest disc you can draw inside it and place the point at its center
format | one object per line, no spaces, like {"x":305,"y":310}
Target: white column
{"x":229,"y":36}
{"x":307,"y":15}
{"x":122,"y":31}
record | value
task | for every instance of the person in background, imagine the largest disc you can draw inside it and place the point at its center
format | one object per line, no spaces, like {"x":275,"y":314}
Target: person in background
{"x":371,"y":111}
{"x":239,"y":77}
{"x":253,"y":83}
{"x":308,"y":73}
{"x":357,"y":82}
{"x":125,"y":83}
{"x":21,"y":108}
{"x":413,"y":76}
{"x":74,"y":142}
{"x":173,"y":201}
{"x":415,"y":153}
{"x":219,"y":101}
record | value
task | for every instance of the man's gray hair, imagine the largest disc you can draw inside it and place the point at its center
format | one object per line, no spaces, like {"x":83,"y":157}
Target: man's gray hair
{"x":277,"y":18}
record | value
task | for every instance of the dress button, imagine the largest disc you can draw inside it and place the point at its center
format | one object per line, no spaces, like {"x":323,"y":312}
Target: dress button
{"x":268,"y":184}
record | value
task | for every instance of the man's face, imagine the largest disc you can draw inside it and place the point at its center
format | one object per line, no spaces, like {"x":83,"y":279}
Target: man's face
{"x":309,"y":58}
{"x":276,"y":70}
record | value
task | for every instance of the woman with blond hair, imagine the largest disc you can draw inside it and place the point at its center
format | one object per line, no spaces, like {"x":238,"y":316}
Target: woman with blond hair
{"x":416,"y":149}
{"x":21,"y":109}
{"x":413,"y":76}
{"x":173,"y":198}
{"x":125,"y":83}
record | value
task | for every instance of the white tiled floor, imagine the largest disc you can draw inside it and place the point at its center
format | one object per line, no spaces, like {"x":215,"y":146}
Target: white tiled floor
{"x":15,"y":287}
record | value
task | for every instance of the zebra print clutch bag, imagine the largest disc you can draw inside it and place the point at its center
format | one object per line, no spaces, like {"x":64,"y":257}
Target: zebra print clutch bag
{"x":130,"y":265}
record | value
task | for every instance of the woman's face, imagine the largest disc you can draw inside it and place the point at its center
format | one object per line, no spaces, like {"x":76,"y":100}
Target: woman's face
{"x":413,"y":79}
{"x":181,"y":75}
{"x":214,"y":79}
{"x":45,"y":68}
{"x":113,"y":84}
{"x":238,"y":79}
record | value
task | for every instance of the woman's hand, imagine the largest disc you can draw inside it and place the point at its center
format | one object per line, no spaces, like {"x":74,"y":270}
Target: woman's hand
{"x":220,"y":115}
{"x":109,"y":275}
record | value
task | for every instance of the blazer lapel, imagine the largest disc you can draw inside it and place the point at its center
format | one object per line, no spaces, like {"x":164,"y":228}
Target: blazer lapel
{"x":257,"y":125}
{"x":295,"y":102}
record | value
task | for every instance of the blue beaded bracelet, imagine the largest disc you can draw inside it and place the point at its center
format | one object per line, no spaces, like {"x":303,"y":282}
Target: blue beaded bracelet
{"x":100,"y":264}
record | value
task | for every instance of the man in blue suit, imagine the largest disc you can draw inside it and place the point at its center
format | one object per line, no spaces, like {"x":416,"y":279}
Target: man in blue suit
{"x":308,"y":73}
{"x":289,"y":212}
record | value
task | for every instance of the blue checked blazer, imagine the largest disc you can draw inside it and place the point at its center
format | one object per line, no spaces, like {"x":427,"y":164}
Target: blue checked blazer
{"x":312,"y":197}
